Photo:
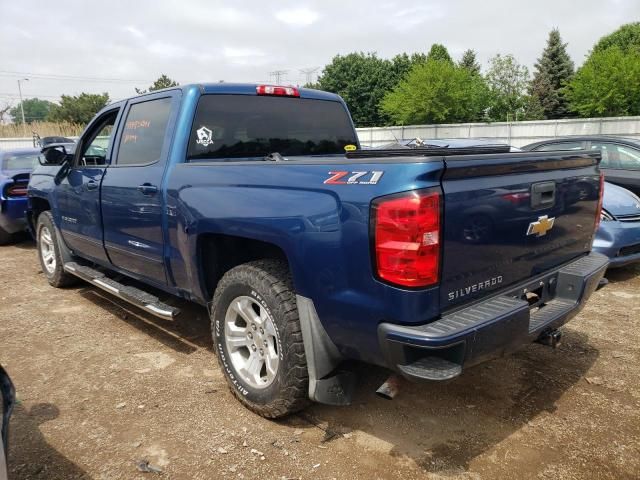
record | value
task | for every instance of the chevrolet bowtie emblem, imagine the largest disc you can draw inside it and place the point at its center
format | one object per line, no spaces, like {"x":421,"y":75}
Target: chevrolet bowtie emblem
{"x":541,"y":227}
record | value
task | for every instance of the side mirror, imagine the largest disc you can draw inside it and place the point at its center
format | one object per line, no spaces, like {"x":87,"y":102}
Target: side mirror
{"x":55,"y":155}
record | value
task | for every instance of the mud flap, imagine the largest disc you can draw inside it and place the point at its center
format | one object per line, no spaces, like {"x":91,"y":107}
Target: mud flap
{"x":327,"y":384}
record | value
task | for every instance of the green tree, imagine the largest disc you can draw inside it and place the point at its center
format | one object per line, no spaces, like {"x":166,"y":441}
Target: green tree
{"x":470,"y":62}
{"x":627,"y":37}
{"x":436,"y":91}
{"x":79,"y":109}
{"x":553,"y":70}
{"x":607,"y":85}
{"x":439,"y":52}
{"x":508,"y":82}
{"x":34,"y":110}
{"x":161,"y":82}
{"x":403,"y":63}
{"x":362,"y":80}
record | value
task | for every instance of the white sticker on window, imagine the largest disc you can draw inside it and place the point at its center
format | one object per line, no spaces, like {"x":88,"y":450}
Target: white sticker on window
{"x":205,"y":136}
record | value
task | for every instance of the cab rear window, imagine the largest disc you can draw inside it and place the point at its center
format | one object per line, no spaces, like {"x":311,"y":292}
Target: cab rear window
{"x":246,"y":126}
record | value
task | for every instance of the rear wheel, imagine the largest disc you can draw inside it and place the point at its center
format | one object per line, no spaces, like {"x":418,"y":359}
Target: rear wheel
{"x":257,"y":338}
{"x":5,"y":237}
{"x":49,"y":253}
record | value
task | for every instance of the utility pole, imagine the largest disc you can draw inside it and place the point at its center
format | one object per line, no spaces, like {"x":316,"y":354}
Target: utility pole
{"x":308,"y":73}
{"x":24,"y":124}
{"x":278,"y":75}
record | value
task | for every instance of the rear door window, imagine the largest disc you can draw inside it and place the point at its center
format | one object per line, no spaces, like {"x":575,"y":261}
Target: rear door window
{"x":618,"y":156}
{"x":628,"y":157}
{"x":144,"y":132}
{"x":247,"y":126}
{"x":609,"y":154}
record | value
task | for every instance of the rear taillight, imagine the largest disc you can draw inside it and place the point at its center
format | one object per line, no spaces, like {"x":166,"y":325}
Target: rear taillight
{"x":406,"y":231}
{"x":16,"y":190}
{"x":599,"y":209}
{"x":277,"y":91}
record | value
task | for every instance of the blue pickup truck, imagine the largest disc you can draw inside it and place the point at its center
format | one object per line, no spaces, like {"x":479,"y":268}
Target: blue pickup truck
{"x":310,"y":252}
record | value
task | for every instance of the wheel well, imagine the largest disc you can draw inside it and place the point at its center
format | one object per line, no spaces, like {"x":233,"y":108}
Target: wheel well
{"x":220,"y":253}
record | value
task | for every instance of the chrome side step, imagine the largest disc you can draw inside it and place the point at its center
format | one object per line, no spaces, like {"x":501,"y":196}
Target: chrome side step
{"x":134,"y":296}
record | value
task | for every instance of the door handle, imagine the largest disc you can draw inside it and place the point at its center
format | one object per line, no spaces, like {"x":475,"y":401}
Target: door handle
{"x":92,"y":185}
{"x":148,"y":189}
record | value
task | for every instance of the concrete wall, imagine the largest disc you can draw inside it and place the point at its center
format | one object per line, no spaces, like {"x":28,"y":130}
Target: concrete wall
{"x":517,"y":134}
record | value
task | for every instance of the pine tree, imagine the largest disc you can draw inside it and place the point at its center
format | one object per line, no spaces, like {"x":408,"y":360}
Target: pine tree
{"x":470,"y":62}
{"x":553,"y":71}
{"x":439,"y":52}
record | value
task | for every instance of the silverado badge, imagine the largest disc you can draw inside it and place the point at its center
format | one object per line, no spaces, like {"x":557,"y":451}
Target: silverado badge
{"x":541,"y":226}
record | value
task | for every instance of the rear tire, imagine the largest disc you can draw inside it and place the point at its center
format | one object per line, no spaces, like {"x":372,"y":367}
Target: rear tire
{"x":257,"y":338}
{"x":5,"y":237}
{"x":49,"y":253}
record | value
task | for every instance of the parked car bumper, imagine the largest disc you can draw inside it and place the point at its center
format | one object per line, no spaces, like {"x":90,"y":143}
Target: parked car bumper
{"x":620,"y":241}
{"x":492,"y":327}
{"x":13,"y":214}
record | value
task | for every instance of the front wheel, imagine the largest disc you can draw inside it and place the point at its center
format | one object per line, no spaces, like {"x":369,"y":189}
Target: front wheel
{"x":49,"y":253}
{"x":257,"y":338}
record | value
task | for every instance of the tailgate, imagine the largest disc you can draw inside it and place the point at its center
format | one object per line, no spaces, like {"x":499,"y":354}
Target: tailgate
{"x":509,"y":217}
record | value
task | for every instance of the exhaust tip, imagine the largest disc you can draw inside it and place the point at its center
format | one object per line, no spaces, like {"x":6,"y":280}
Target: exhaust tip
{"x":389,"y":389}
{"x":552,"y":339}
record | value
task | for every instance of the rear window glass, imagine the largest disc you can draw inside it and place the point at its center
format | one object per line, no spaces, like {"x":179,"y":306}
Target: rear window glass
{"x":552,"y":147}
{"x":242,"y":126}
{"x":23,"y":161}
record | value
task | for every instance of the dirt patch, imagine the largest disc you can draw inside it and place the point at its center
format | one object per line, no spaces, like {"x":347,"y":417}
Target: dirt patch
{"x":104,"y":388}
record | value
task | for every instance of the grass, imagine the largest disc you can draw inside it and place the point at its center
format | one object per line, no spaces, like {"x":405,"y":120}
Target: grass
{"x":44,"y":129}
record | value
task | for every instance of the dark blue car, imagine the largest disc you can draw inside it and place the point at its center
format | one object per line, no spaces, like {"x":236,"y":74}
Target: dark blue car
{"x":618,"y":236}
{"x":15,"y":168}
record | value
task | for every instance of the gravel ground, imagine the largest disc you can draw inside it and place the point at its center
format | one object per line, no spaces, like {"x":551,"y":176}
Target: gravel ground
{"x":105,"y":390}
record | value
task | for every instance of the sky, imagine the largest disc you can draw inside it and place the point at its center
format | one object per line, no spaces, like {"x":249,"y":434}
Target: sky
{"x":67,"y":47}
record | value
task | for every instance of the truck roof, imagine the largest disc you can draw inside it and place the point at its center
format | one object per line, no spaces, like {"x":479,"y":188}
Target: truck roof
{"x":244,"y":89}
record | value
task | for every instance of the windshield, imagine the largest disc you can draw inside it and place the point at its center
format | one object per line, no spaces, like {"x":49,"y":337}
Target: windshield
{"x":240,"y":126}
{"x":19,"y":161}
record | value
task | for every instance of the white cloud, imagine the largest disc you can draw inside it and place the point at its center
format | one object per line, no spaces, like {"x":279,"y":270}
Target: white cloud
{"x":209,"y":40}
{"x":134,"y":31}
{"x":414,"y":16}
{"x":232,"y":52}
{"x":163,"y":49}
{"x":244,"y":56}
{"x":297,"y":17}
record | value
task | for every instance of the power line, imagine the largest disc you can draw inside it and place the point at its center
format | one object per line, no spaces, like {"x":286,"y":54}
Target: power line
{"x":51,"y":76}
{"x":31,"y":95}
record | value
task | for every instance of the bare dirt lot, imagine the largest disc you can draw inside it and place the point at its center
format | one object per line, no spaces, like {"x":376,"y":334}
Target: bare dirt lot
{"x":103,"y":387}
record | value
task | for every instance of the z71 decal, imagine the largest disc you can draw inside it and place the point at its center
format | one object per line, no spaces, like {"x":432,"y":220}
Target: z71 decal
{"x":354,"y":178}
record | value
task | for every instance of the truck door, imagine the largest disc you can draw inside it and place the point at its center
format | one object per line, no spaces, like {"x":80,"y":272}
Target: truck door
{"x":132,"y":197}
{"x":78,"y":192}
